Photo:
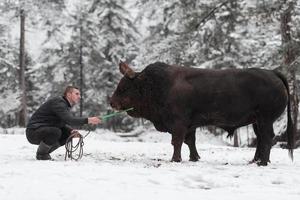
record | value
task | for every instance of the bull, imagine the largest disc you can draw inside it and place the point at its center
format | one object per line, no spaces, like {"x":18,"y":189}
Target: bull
{"x":180,"y":99}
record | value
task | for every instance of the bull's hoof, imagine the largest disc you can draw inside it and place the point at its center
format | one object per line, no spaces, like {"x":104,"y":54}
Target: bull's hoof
{"x":262,"y":163}
{"x":176,"y":160}
{"x":259,"y":162}
{"x":194,"y":158}
{"x":252,"y":161}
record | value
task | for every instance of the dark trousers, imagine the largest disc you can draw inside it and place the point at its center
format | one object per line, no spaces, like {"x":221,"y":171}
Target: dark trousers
{"x":49,"y":135}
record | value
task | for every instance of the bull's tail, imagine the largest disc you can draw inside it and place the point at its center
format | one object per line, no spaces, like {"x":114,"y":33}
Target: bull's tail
{"x":290,"y":125}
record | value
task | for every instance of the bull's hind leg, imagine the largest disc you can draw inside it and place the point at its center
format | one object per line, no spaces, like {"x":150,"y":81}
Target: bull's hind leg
{"x":190,"y":140}
{"x":257,"y":155}
{"x":265,"y":136}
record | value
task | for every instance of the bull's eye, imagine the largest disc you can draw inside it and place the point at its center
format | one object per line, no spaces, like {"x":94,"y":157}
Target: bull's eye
{"x":122,"y":90}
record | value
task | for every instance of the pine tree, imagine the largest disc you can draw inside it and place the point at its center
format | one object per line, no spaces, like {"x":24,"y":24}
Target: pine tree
{"x":100,"y":32}
{"x":117,"y":40}
{"x":14,"y":12}
{"x":48,"y":77}
{"x":163,"y":40}
{"x":289,"y":58}
{"x":9,"y":89}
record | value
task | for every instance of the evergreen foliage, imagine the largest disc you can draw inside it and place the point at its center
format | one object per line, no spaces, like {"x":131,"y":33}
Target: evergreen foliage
{"x":67,"y":37}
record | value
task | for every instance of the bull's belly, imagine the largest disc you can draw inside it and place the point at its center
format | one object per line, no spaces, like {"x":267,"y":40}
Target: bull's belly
{"x":224,"y":119}
{"x":238,"y":113}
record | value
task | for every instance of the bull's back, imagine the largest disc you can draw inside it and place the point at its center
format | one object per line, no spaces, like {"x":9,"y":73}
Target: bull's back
{"x":234,"y":95}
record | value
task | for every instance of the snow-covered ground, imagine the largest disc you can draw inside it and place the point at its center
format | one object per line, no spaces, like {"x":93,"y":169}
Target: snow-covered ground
{"x":139,"y":168}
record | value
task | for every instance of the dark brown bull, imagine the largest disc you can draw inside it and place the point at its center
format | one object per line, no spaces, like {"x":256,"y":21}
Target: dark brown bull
{"x":180,"y":99}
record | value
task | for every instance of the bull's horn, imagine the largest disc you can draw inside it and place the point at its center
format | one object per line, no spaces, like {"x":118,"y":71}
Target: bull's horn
{"x":126,"y":70}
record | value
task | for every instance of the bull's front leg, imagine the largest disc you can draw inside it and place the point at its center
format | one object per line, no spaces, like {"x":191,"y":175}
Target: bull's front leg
{"x":190,"y":140}
{"x":178,"y":135}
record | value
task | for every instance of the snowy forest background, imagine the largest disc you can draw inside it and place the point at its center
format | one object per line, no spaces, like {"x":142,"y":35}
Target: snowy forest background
{"x":80,"y":42}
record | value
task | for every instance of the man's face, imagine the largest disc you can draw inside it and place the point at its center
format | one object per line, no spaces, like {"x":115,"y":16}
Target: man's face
{"x":74,"y":96}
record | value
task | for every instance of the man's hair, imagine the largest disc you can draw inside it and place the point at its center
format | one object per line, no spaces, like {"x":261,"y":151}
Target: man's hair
{"x":69,"y":89}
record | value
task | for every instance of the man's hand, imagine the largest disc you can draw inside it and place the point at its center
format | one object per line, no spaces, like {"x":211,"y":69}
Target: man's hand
{"x":94,"y":120}
{"x":75,"y":133}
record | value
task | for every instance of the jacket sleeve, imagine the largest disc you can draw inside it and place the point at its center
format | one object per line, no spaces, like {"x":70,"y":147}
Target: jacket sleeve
{"x":63,"y":112}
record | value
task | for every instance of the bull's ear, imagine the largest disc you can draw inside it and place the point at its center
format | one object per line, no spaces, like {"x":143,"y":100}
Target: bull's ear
{"x":126,"y":70}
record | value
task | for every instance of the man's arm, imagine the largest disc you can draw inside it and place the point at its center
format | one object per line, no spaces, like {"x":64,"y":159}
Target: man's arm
{"x":61,"y":110}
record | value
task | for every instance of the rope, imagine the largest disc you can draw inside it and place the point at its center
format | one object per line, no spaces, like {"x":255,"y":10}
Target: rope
{"x":71,"y":149}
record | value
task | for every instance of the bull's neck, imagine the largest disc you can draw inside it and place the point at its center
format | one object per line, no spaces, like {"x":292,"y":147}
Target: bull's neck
{"x":152,"y":112}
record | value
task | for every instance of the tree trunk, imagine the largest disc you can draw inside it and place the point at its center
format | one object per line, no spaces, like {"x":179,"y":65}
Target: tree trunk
{"x":289,"y":57}
{"x":81,"y":73}
{"x":23,"y":111}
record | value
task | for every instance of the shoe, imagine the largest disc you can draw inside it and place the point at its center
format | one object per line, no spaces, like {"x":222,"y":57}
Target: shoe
{"x":42,"y":152}
{"x":43,"y":157}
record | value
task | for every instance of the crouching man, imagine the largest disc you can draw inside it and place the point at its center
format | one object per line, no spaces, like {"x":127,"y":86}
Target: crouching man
{"x":50,"y":126}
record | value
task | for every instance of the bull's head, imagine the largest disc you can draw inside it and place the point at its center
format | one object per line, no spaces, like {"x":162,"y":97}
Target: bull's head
{"x":128,"y":92}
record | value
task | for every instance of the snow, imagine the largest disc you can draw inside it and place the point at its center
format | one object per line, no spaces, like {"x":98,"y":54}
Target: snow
{"x":115,"y":167}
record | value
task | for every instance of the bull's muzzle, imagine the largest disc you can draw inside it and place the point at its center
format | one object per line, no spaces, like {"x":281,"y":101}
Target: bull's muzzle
{"x":114,"y":105}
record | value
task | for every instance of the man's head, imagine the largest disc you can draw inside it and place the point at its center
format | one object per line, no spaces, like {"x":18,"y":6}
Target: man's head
{"x":72,"y":93}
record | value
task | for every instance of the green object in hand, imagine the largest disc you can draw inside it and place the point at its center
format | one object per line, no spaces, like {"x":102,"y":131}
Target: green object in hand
{"x":105,"y":117}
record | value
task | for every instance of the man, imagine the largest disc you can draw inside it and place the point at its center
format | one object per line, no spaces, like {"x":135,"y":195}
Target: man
{"x":49,"y":125}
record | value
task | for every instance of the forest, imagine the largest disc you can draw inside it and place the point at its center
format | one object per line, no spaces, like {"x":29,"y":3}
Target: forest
{"x":46,"y":45}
